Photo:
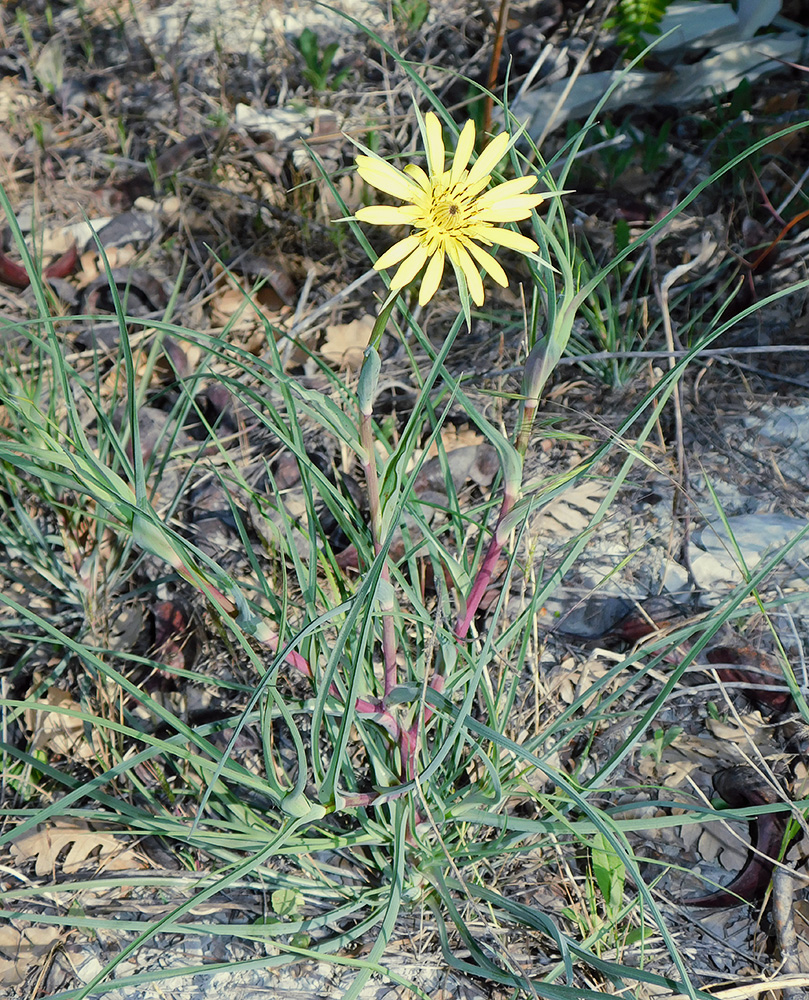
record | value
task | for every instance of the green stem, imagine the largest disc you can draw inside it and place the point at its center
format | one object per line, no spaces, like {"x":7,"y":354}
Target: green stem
{"x":366,"y":390}
{"x":386,"y":600}
{"x":526,"y":426}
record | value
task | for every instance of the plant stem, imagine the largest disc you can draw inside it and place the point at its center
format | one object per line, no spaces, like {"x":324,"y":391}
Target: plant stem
{"x":526,"y":426}
{"x":497,"y":48}
{"x":374,"y":708}
{"x":386,"y":599}
{"x":486,"y":571}
{"x":366,"y":390}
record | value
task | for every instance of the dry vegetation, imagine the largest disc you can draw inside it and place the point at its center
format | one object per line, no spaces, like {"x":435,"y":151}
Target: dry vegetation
{"x":150,"y":740}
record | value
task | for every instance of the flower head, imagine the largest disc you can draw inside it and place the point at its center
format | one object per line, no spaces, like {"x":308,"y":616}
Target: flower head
{"x":449,"y":211}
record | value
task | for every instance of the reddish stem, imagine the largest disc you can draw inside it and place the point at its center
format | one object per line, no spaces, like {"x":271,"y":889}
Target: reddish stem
{"x":767,"y":203}
{"x":374,"y":708}
{"x":494,"y":66}
{"x":758,"y":263}
{"x":485,"y":574}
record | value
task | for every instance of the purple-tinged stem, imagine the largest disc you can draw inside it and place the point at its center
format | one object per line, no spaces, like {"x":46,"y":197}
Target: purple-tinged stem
{"x":538,"y":366}
{"x":486,"y":571}
{"x":375,"y":709}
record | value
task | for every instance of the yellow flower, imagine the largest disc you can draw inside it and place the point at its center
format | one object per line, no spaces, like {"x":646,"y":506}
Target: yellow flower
{"x":450,"y":212}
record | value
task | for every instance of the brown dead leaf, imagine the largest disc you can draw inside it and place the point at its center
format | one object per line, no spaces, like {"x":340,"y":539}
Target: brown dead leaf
{"x":88,"y":268}
{"x":801,"y":912}
{"x":563,"y":680}
{"x":453,"y":437}
{"x":676,"y":772}
{"x":345,"y":342}
{"x":717,"y":844}
{"x":477,"y":463}
{"x":800,"y":785}
{"x":62,"y":735}
{"x":92,"y":849}
{"x":121,"y":256}
{"x":572,"y":511}
{"x":689,"y":835}
{"x":174,"y":643}
{"x":678,"y":761}
{"x":731,"y":731}
{"x":234,"y":306}
{"x":56,"y":241}
{"x":23,"y":950}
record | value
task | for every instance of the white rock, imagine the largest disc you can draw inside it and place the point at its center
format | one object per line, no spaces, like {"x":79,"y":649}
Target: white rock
{"x":715,"y":550}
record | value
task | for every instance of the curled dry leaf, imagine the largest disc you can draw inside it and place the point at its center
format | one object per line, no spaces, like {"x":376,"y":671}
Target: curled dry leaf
{"x":742,"y":786}
{"x":130,"y":227}
{"x":238,"y":303}
{"x":140,"y":292}
{"x":743,"y":664}
{"x":15,"y":274}
{"x":277,"y":288}
{"x":656,"y":614}
{"x":175,"y":643}
{"x":595,"y":619}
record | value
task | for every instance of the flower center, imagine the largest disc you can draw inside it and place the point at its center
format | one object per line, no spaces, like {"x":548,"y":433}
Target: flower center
{"x":448,"y":211}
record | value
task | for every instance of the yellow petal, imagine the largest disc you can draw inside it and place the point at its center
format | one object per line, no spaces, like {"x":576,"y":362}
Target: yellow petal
{"x":397,"y":252}
{"x":432,"y":278}
{"x":509,"y":211}
{"x":466,"y":143}
{"x":385,"y":177}
{"x":464,"y":263}
{"x":508,"y":190}
{"x":488,"y":263}
{"x":432,"y":241}
{"x":409,"y":268}
{"x":469,"y":192}
{"x":385,"y":215}
{"x":418,"y":175}
{"x":435,"y":144}
{"x":489,"y":158}
{"x":503,"y":237}
{"x":523,"y":201}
